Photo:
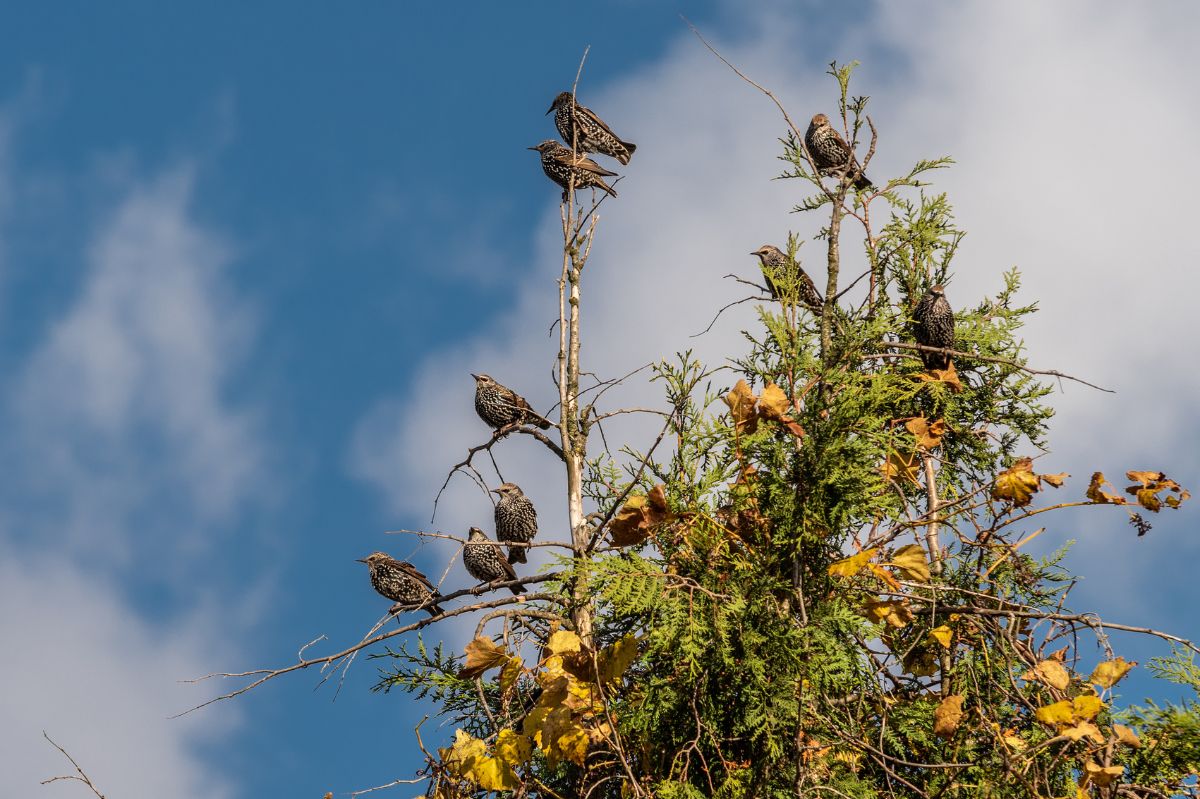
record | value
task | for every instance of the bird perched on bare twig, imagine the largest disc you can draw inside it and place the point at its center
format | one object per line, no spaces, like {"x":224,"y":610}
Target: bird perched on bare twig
{"x":579,"y":125}
{"x":516,"y":519}
{"x":777,"y":268}
{"x":830,"y":153}
{"x":485,"y":562}
{"x":500,"y":406}
{"x":561,"y":165}
{"x":400,"y":582}
{"x":934,"y":327}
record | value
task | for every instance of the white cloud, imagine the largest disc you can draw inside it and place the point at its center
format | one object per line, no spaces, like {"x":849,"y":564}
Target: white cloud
{"x":1072,"y":125}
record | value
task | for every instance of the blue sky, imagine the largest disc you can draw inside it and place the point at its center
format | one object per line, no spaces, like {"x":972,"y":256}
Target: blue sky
{"x":248,"y":256}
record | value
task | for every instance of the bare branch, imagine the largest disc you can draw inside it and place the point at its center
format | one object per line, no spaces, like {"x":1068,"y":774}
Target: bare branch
{"x":992,"y":359}
{"x":79,"y":776}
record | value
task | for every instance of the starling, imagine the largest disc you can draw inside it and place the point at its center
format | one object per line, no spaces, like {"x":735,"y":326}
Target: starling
{"x":830,"y":153}
{"x":776,"y":263}
{"x":485,"y":562}
{"x":580,"y":125}
{"x":400,"y":582}
{"x":560,"y":165}
{"x":934,"y":327}
{"x":516,"y":519}
{"x":501,"y":407}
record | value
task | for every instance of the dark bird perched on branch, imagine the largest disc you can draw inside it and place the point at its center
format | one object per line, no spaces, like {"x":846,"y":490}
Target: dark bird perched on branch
{"x":500,"y":406}
{"x":516,"y":519}
{"x":830,"y":153}
{"x":560,"y":164}
{"x":579,"y":124}
{"x":934,"y":327}
{"x":400,"y":582}
{"x":776,"y":266}
{"x":485,"y":562}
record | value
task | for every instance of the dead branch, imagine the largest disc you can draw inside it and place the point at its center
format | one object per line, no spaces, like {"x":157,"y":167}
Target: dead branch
{"x":904,"y":345}
{"x":497,"y":434}
{"x":728,"y":306}
{"x":79,"y":776}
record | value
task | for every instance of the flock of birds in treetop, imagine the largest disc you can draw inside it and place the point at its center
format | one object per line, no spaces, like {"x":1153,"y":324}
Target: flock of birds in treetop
{"x":501,"y":407}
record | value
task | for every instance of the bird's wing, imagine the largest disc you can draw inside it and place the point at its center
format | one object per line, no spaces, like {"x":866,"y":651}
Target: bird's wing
{"x":588,"y":165}
{"x":509,"y":571}
{"x":590,"y":114}
{"x":412,"y":571}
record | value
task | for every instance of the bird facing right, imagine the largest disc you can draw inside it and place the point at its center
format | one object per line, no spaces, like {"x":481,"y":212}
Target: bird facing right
{"x":485,"y":562}
{"x":400,"y":582}
{"x":776,"y":265}
{"x":516,"y":519}
{"x":500,"y":406}
{"x":934,"y":327}
{"x":830,"y":153}
{"x":580,"y":126}
{"x":561,"y":165}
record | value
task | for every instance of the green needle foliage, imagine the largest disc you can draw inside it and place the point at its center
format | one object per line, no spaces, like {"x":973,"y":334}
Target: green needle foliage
{"x":819,"y":585}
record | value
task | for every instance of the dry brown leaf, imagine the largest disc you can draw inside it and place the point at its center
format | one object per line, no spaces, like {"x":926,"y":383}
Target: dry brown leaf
{"x":1081,"y":729}
{"x":1096,"y":492}
{"x":949,"y":376}
{"x":1110,"y":672}
{"x":1150,"y":485}
{"x":901,"y":467}
{"x":774,"y":405}
{"x":1055,"y":480}
{"x":947,"y":715}
{"x":637,"y":517}
{"x":740,"y":400}
{"x":928,"y":434}
{"x":1049,"y":672}
{"x":1127,"y":736}
{"x":1101,"y":775}
{"x":482,"y":654}
{"x":1017,"y":484}
{"x":910,"y":560}
{"x":893,"y":611}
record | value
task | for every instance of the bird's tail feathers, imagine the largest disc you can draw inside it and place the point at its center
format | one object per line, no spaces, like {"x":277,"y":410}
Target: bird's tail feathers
{"x":517,"y":555}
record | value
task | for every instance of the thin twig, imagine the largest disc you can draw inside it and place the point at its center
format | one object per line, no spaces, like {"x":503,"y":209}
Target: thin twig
{"x":82,"y":775}
{"x":992,"y":359}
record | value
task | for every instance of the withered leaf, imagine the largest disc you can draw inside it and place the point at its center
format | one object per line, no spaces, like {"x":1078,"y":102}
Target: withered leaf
{"x":1050,"y":672}
{"x":899,"y":466}
{"x":910,"y":560}
{"x":1127,"y":736}
{"x":947,"y":715}
{"x":949,"y":376}
{"x":1055,"y":480}
{"x":773,"y":403}
{"x":1017,"y":484}
{"x":740,"y":400}
{"x":482,"y":654}
{"x":633,"y":522}
{"x":1150,"y":485}
{"x":1101,"y":775}
{"x":893,"y":611}
{"x":1110,"y":672}
{"x":848,"y":567}
{"x":928,"y":434}
{"x":884,"y":575}
{"x":1096,"y":492}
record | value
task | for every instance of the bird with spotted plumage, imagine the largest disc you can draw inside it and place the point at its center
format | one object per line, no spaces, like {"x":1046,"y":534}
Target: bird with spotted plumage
{"x":485,"y":562}
{"x":830,"y":153}
{"x":561,"y":165}
{"x":500,"y":406}
{"x":778,"y":267}
{"x":933,"y":326}
{"x":516,"y":520}
{"x":579,"y":125}
{"x":401,"y":582}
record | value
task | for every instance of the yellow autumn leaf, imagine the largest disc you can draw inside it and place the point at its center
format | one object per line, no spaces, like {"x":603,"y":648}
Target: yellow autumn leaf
{"x":947,"y":715}
{"x":1096,"y":492}
{"x":928,"y":434}
{"x":510,"y":672}
{"x":617,"y":657}
{"x":512,"y":747}
{"x":1055,"y":480}
{"x":884,"y":575}
{"x":943,"y":635}
{"x":1081,"y":729}
{"x":1150,"y":485}
{"x":949,"y":376}
{"x":895,"y":612}
{"x":1101,"y":775}
{"x":1087,"y":706}
{"x":773,"y":403}
{"x":1058,"y":713}
{"x":1016,"y":484}
{"x":468,"y":759}
{"x":563,"y":641}
{"x":899,"y":466}
{"x":740,"y":400}
{"x":1014,"y":742}
{"x":848,"y":567}
{"x":1049,"y":672}
{"x":1110,"y":672}
{"x":1127,"y":736}
{"x":573,"y":745}
{"x":482,"y":654}
{"x":910,"y":560}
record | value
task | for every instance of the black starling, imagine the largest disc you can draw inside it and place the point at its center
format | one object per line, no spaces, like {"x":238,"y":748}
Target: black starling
{"x":500,"y":406}
{"x":775,"y":263}
{"x":400,"y":582}
{"x":830,"y":153}
{"x":934,"y":327}
{"x":516,"y":519}
{"x":579,"y":125}
{"x":485,"y":562}
{"x":560,"y":164}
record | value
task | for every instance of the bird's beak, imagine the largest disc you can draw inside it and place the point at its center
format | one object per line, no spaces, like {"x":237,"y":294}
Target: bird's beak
{"x":360,"y":560}
{"x":495,"y":491}
{"x":550,"y":109}
{"x":530,"y":148}
{"x":474,"y":375}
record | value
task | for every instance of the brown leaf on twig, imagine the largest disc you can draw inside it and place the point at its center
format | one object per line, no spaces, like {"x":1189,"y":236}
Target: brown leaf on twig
{"x":740,"y":400}
{"x":1150,"y":485}
{"x":633,"y":522}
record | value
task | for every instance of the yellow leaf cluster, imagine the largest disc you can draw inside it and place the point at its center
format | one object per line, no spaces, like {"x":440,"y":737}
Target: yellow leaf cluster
{"x":1072,"y":718}
{"x":895,"y":612}
{"x":1018,"y":483}
{"x":1148,"y":487}
{"x":468,"y":759}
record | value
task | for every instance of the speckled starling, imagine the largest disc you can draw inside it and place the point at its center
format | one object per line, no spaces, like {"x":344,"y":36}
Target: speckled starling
{"x":500,"y":406}
{"x":516,"y":519}
{"x":830,"y":152}
{"x":485,"y":562}
{"x":776,"y":264}
{"x":934,"y":327}
{"x":560,"y":164}
{"x":400,"y":582}
{"x":579,"y":125}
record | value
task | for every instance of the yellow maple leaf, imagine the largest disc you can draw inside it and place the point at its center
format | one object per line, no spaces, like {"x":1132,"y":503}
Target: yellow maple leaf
{"x":1050,"y":672}
{"x":740,"y":400}
{"x":910,"y":560}
{"x":942,"y":635}
{"x":563,"y":641}
{"x":1086,"y":706}
{"x":928,"y":434}
{"x":1017,"y":484}
{"x":1058,"y":713}
{"x":1110,"y":672}
{"x":482,"y":654}
{"x":947,"y":715}
{"x":884,"y":575}
{"x":510,"y":672}
{"x":513,"y":748}
{"x":848,"y":567}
